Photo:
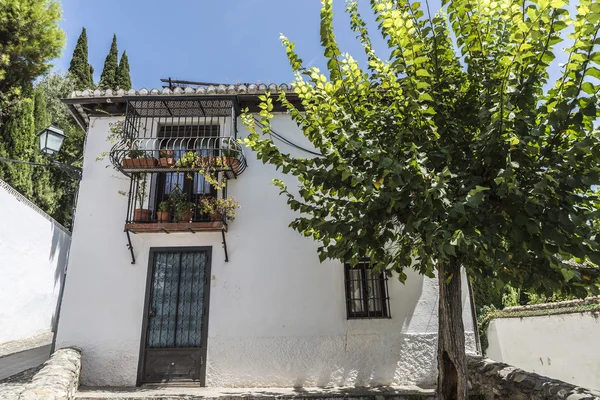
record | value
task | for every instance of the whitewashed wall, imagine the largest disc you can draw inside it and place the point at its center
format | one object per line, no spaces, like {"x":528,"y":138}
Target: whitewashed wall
{"x":564,"y":346}
{"x":277,"y":316}
{"x":33,"y":255}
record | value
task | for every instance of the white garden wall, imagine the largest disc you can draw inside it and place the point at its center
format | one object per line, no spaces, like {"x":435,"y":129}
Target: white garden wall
{"x":277,"y":316}
{"x":563,"y":346}
{"x":33,"y":255}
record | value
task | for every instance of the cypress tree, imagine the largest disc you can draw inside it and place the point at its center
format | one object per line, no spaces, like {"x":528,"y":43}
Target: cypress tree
{"x":41,"y":118}
{"x":19,"y":137}
{"x":123,"y":77}
{"x":108,"y":79}
{"x":80,"y":69}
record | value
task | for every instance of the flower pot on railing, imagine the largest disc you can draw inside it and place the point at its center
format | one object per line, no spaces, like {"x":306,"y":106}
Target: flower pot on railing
{"x":163,"y":216}
{"x":216,"y":216}
{"x":142,"y":215}
{"x":166,"y":158}
{"x":138,"y":159}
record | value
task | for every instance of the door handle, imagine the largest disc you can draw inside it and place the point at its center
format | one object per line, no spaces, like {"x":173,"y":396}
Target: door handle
{"x":152,"y":312}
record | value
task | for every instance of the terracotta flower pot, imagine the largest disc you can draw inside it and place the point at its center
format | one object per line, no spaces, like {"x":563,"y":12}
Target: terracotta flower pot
{"x":188,"y":216}
{"x":166,"y":162}
{"x":142,"y":215}
{"x":127,"y":162}
{"x":139,"y":162}
{"x":217,"y":216}
{"x":163,"y":216}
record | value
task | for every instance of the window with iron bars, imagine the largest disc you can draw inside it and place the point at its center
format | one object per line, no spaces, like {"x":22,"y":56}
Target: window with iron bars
{"x":366,"y":292}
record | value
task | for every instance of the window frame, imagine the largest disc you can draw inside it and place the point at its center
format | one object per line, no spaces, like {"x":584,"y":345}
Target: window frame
{"x":383,"y":302}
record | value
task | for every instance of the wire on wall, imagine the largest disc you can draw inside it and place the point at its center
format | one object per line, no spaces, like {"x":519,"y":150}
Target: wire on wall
{"x":288,"y":142}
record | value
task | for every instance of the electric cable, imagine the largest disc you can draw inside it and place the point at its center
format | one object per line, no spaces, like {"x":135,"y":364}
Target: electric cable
{"x":288,"y":142}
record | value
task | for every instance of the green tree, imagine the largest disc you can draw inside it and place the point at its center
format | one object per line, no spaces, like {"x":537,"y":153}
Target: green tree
{"x":80,"y":68}
{"x":29,"y":38}
{"x":108,"y":79}
{"x":123,"y":77}
{"x":56,"y":87}
{"x":18,"y":144}
{"x":442,"y":156}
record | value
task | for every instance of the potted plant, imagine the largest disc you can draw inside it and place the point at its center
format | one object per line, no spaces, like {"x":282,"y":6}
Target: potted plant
{"x":208,"y":206}
{"x":137,"y":159}
{"x":141,"y":214}
{"x":184,"y":210}
{"x":219,"y":207}
{"x":164,"y":211}
{"x":228,"y":207}
{"x":230,"y":157}
{"x":166,"y":158}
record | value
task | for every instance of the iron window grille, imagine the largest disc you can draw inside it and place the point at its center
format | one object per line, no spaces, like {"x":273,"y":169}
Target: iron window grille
{"x":367,"y":293}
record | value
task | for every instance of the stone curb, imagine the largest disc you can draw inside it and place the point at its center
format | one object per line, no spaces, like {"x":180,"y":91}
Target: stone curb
{"x":496,"y":380}
{"x":58,"y":379}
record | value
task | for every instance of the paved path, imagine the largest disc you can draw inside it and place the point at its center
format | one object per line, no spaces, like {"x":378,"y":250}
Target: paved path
{"x":14,"y":363}
{"x":193,"y":393}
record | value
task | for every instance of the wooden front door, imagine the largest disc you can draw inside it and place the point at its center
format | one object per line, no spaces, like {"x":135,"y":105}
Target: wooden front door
{"x":176,"y":316}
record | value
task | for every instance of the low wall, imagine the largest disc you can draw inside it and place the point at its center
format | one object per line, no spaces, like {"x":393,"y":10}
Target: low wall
{"x":496,"y":380}
{"x":559,"y":340}
{"x":33,"y":256}
{"x":58,"y":379}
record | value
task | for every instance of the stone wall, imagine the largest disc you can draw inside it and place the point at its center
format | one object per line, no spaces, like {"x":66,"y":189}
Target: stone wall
{"x":58,"y":379}
{"x":496,"y":380}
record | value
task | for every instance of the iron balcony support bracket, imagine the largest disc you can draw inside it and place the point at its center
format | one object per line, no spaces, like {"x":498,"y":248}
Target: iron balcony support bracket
{"x":130,"y":246}
{"x":225,"y":244}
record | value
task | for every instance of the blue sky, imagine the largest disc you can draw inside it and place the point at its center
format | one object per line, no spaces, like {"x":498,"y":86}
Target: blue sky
{"x":205,"y":40}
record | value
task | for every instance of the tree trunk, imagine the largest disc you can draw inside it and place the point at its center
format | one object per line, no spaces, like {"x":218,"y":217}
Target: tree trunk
{"x":452,"y":362}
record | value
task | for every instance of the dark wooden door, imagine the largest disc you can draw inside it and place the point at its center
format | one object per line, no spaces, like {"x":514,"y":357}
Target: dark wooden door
{"x":174,"y":338}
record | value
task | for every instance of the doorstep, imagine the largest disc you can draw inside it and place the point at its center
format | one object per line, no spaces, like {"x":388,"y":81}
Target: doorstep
{"x":196,"y":393}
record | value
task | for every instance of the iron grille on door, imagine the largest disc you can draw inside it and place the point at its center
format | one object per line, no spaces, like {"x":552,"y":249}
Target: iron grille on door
{"x":177,"y":308}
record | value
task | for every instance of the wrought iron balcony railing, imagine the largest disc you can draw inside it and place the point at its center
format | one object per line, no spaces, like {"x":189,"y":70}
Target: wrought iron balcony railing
{"x":182,"y":134}
{"x":173,"y":202}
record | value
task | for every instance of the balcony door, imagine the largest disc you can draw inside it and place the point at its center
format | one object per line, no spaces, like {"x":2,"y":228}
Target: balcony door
{"x":202,"y":139}
{"x":176,"y":316}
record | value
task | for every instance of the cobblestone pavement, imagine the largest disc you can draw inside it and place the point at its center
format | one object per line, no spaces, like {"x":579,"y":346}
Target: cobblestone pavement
{"x":11,"y":387}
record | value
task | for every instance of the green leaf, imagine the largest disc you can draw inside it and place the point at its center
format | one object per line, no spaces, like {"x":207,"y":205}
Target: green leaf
{"x":588,"y":88}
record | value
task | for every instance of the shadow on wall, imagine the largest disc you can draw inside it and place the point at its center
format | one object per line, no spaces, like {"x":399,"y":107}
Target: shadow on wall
{"x":378,"y":351}
{"x":59,"y":251}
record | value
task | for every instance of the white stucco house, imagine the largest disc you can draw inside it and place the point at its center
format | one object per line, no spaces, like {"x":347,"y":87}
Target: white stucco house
{"x":162,"y":289}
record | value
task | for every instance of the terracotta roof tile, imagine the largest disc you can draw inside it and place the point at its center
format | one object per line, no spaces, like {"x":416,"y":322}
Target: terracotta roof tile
{"x":242,"y":88}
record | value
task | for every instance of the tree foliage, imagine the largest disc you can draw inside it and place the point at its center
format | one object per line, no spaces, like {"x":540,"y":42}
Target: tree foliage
{"x":29,"y":38}
{"x":425,"y":159}
{"x":56,"y":87}
{"x":451,"y":152}
{"x":18,"y":142}
{"x":123,"y":77}
{"x":80,"y":68}
{"x":108,"y":79}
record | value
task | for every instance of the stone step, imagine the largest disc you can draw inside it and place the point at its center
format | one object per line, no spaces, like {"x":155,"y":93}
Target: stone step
{"x":196,"y":393}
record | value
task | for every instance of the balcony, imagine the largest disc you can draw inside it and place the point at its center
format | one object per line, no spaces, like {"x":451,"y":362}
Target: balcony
{"x":180,"y":134}
{"x":170,"y":202}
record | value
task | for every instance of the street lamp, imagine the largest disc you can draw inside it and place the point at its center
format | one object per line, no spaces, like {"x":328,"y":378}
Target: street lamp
{"x":51,"y":140}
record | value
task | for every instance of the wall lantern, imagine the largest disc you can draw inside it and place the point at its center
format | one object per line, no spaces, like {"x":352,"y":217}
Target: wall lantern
{"x":51,"y":140}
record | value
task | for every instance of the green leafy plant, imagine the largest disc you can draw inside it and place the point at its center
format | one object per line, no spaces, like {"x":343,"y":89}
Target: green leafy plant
{"x":181,"y":204}
{"x":217,"y":207}
{"x":228,"y":206}
{"x":166,"y":153}
{"x":142,"y":189}
{"x":447,"y":156}
{"x":136,"y":153}
{"x":164,"y":206}
{"x":205,"y":166}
